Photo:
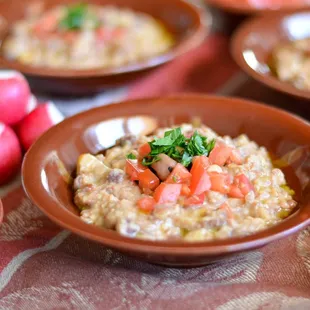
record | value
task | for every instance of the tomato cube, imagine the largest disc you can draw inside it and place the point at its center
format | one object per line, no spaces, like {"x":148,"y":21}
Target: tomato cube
{"x":200,"y":182}
{"x":194,"y":200}
{"x":179,"y":175}
{"x":147,"y":179}
{"x":146,"y":204}
{"x":167,"y":193}
{"x":144,"y":149}
{"x":185,"y":190}
{"x":240,"y":187}
{"x":133,"y":168}
{"x":220,"y":182}
{"x":220,"y":154}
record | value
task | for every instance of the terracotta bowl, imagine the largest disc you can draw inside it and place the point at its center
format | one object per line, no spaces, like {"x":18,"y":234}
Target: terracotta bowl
{"x":266,"y":6}
{"x":52,"y":159}
{"x":254,"y":41}
{"x":186,"y":22}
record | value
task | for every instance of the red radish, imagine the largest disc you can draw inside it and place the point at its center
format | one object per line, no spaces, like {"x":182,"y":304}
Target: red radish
{"x":10,"y":154}
{"x":32,"y":104}
{"x":37,"y":122}
{"x":14,"y":97}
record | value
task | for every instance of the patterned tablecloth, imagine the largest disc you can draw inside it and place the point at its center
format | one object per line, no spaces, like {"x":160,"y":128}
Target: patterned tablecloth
{"x":45,"y":267}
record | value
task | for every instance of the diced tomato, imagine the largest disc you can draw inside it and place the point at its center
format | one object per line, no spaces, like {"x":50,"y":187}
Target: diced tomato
{"x":243,"y":183}
{"x":235,"y":157}
{"x":167,"y":192}
{"x":104,"y":34}
{"x":147,"y":179}
{"x":235,"y":192}
{"x":133,"y":168}
{"x":220,"y":154}
{"x":230,"y":216}
{"x":240,"y":187}
{"x":47,"y":23}
{"x":200,"y":179}
{"x":185,"y":190}
{"x":146,"y":204}
{"x":194,"y":200}
{"x":200,"y":162}
{"x":220,"y":182}
{"x":144,"y":149}
{"x":70,"y":36}
{"x":179,"y":175}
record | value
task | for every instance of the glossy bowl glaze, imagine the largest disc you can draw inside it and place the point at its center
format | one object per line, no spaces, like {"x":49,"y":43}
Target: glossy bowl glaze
{"x":188,"y":24}
{"x":254,"y":41}
{"x":259,"y":6}
{"x":52,"y":159}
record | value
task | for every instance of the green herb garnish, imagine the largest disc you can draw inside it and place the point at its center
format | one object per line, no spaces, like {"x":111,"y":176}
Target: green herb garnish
{"x":177,"y":146}
{"x":148,"y":161}
{"x":76,"y":16}
{"x":175,"y":179}
{"x":131,"y":156}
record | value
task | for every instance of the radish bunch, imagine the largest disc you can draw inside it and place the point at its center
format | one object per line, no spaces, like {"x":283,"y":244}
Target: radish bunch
{"x":22,"y":121}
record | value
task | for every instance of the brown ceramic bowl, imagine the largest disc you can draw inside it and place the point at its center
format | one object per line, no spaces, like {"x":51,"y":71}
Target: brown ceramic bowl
{"x":246,"y":7}
{"x":254,"y":41}
{"x":45,"y":178}
{"x":186,"y":22}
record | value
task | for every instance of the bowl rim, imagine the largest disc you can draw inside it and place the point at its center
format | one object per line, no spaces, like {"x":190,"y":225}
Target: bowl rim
{"x":236,"y":48}
{"x":246,"y":8}
{"x":179,"y":248}
{"x":200,"y":32}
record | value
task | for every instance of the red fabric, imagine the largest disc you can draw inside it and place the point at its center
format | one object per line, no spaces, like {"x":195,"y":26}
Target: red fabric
{"x":204,"y":70}
{"x":44,"y":267}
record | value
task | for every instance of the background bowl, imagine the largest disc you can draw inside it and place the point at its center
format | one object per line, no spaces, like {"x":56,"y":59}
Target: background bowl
{"x":185,"y":21}
{"x":254,"y":41}
{"x":265,"y":6}
{"x":52,"y":159}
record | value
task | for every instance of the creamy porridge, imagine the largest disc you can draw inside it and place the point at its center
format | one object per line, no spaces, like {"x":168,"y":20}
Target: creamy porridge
{"x":182,"y":183}
{"x":291,"y":63}
{"x":82,"y":36}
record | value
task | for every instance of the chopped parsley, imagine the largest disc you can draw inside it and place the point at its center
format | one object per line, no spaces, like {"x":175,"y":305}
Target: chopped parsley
{"x":177,"y":146}
{"x":131,"y":156}
{"x":175,"y":179}
{"x":76,"y":16}
{"x":148,"y":161}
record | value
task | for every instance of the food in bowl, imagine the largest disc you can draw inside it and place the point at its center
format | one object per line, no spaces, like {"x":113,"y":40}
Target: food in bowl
{"x":82,"y":36}
{"x":290,"y":62}
{"x":182,"y":183}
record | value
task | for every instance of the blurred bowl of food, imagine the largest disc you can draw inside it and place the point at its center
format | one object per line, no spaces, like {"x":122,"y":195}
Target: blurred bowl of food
{"x":274,"y":50}
{"x":72,"y":47}
{"x":259,"y":6}
{"x":170,"y":181}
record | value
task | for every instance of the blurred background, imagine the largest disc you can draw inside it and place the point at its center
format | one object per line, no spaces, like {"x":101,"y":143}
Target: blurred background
{"x":60,"y":57}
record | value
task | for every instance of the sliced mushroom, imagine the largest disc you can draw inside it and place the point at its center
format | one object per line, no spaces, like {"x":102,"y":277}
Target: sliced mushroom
{"x":164,"y":166}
